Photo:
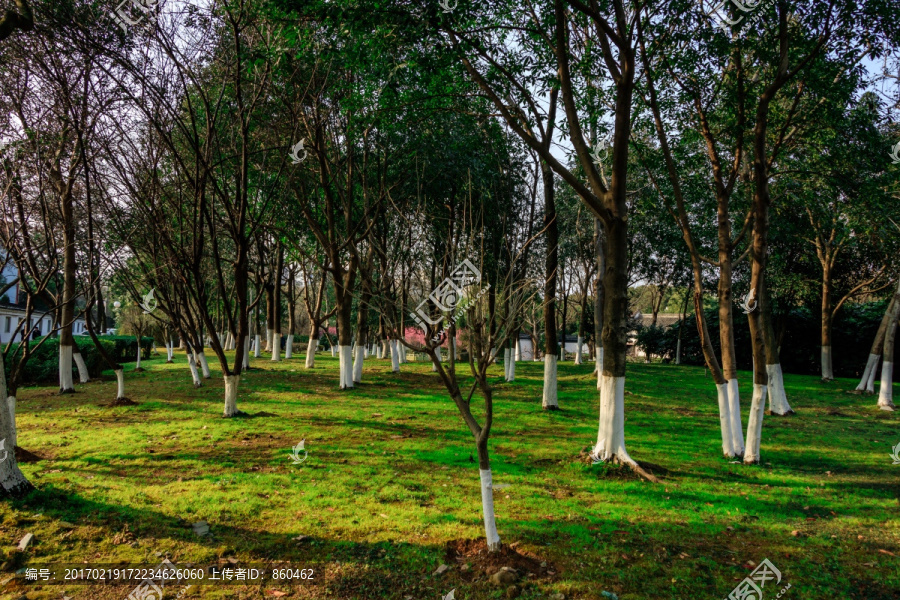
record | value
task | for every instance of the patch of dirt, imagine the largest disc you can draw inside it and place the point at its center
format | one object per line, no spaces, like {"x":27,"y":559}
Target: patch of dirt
{"x":833,"y":412}
{"x":24,"y":456}
{"x":475,"y":553}
{"x":121,"y":402}
{"x":264,"y":414}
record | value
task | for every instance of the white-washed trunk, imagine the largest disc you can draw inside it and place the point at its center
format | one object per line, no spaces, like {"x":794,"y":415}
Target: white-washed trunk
{"x":395,"y":356}
{"x":578,"y":360}
{"x":437,"y":352}
{"x":311,"y":348}
{"x":868,"y":376}
{"x":358,"y":364}
{"x":276,"y":346}
{"x":229,"y":340}
{"x":506,"y":354}
{"x":12,"y":480}
{"x":83,"y":374}
{"x":289,"y":347}
{"x":269,"y":334}
{"x":886,"y":390}
{"x":725,"y":419}
{"x":332,"y":351}
{"x":120,"y":380}
{"x":518,"y":350}
{"x":245,"y":363}
{"x":827,"y":371}
{"x":401,"y":349}
{"x":231,"y":389}
{"x":14,"y":434}
{"x":137,"y":365}
{"x":734,"y":410}
{"x":65,"y":369}
{"x":256,"y":349}
{"x":170,"y":350}
{"x":511,"y":368}
{"x":346,"y":366}
{"x":599,"y":360}
{"x":204,"y":365}
{"x":611,"y":432}
{"x":453,"y":355}
{"x":778,"y":403}
{"x":487,"y":507}
{"x":192,"y":363}
{"x":550,"y":401}
{"x":754,"y":424}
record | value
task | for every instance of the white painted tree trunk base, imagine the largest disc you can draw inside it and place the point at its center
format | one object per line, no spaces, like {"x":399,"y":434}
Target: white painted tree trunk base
{"x":83,"y":374}
{"x":289,"y":347}
{"x":778,"y":404}
{"x":332,"y":351}
{"x":269,"y":334}
{"x":346,"y":367}
{"x":195,"y":375}
{"x":276,"y":346}
{"x":137,"y":364}
{"x":487,"y":507}
{"x":518,"y":350}
{"x":231,"y":389}
{"x":827,"y":371}
{"x":437,"y":353}
{"x":600,"y":369}
{"x":734,"y":410}
{"x":578,"y":360}
{"x":311,"y":348}
{"x":245,"y":363}
{"x":611,"y":431}
{"x":402,"y":350}
{"x":14,"y":434}
{"x":511,"y":370}
{"x":550,"y":400}
{"x":886,"y":389}
{"x":256,"y":346}
{"x":868,"y":377}
{"x":65,"y":370}
{"x":725,"y":420}
{"x":169,"y":351}
{"x":120,"y":380}
{"x":204,"y":365}
{"x":358,"y":362}
{"x":395,"y":356}
{"x":754,"y":424}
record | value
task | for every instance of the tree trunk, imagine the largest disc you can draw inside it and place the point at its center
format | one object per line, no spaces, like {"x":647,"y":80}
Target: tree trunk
{"x":120,"y":380}
{"x":192,"y":364}
{"x":487,"y":498}
{"x":885,"y":391}
{"x":13,"y":483}
{"x":867,"y":382}
{"x":312,"y":346}
{"x":231,"y":389}
{"x":599,"y":299}
{"x":83,"y":374}
{"x":827,"y":311}
{"x":551,"y":264}
{"x":395,"y":355}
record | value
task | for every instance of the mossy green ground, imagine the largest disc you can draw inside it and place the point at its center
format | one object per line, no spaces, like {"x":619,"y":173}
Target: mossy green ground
{"x":389,"y":481}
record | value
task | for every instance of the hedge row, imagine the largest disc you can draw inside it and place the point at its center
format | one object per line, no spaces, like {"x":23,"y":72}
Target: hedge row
{"x":43,"y":364}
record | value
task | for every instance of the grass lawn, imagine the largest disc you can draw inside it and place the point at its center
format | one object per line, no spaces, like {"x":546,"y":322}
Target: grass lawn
{"x":389,"y":490}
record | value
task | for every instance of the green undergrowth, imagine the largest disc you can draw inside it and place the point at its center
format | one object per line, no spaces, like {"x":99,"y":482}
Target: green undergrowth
{"x":390,"y":479}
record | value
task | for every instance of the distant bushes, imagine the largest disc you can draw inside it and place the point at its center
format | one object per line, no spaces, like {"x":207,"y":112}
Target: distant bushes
{"x":799,"y":331}
{"x":43,"y":364}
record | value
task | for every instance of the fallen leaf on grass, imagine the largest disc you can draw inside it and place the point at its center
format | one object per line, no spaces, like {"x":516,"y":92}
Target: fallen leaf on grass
{"x":886,"y":552}
{"x":277,"y":594}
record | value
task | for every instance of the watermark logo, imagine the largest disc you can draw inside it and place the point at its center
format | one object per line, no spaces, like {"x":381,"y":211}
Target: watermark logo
{"x":126,"y":16}
{"x":152,"y":587}
{"x":720,"y":14}
{"x":295,"y":152}
{"x":447,"y":295}
{"x":296,"y":450}
{"x":595,"y":453}
{"x":602,"y":146}
{"x":749,"y":304}
{"x":751,"y":587}
{"x":895,"y":455}
{"x":445,"y":4}
{"x":5,"y":453}
{"x":895,"y":154}
{"x":149,"y":304}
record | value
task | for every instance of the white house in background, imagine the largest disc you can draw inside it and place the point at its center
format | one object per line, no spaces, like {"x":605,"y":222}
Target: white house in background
{"x":12,"y":310}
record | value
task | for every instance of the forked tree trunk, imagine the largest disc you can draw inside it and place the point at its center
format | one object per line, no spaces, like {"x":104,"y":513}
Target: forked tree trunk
{"x":867,"y":381}
{"x":886,"y":391}
{"x":192,"y":364}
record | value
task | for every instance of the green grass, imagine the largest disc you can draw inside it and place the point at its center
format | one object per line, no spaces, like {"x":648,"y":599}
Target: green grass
{"x":380,"y":496}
